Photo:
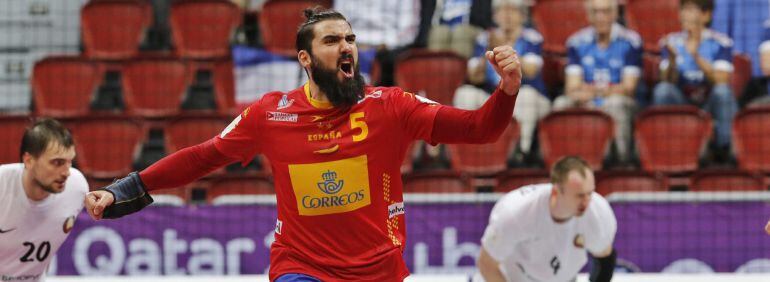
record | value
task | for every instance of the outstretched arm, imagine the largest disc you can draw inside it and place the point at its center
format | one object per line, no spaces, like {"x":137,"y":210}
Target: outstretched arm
{"x":489,"y":267}
{"x":487,"y":123}
{"x":128,"y":195}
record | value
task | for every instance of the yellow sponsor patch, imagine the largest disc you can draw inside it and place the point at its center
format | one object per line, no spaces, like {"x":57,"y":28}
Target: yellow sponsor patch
{"x":331,"y":187}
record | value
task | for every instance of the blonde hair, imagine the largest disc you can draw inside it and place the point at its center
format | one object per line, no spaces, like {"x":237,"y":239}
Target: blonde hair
{"x":565,"y":165}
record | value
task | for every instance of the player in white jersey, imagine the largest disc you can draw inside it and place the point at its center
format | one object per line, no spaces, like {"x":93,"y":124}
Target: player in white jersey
{"x":541,"y":233}
{"x":39,"y":201}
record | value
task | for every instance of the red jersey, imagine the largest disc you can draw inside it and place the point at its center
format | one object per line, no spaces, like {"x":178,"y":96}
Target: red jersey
{"x":337,"y":178}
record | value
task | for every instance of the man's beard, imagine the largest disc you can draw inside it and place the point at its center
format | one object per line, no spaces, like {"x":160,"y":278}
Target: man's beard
{"x":345,"y":93}
{"x":47,"y":188}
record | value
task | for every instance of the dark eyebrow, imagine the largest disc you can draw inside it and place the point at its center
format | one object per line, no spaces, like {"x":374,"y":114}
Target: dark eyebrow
{"x":330,"y":36}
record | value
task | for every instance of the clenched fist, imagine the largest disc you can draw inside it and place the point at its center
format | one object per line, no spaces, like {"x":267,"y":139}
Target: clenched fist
{"x":97,"y":201}
{"x":506,"y":63}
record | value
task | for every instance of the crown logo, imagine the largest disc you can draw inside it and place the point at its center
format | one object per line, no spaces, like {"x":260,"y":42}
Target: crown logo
{"x":330,"y":185}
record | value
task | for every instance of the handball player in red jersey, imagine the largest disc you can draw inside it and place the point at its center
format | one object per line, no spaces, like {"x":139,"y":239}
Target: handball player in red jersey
{"x":335,"y":146}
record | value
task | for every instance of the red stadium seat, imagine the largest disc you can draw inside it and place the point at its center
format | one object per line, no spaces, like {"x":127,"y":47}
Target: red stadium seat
{"x":437,"y":182}
{"x":557,"y":20}
{"x":239,"y":185}
{"x":202,"y":28}
{"x":279,"y":21}
{"x":581,"y":132}
{"x":553,"y":70}
{"x":186,"y":131}
{"x":608,"y":182}
{"x":671,"y":138}
{"x":484,"y":159}
{"x":652,"y":19}
{"x":223,"y":80}
{"x":114,"y":29}
{"x":224,"y":86}
{"x":14,"y":127}
{"x":515,"y":178}
{"x":64,"y":86}
{"x":106,"y":145}
{"x":742,"y":73}
{"x":651,"y":69}
{"x":727,"y":180}
{"x":751,"y":138}
{"x":154,"y":87}
{"x":436,"y":73}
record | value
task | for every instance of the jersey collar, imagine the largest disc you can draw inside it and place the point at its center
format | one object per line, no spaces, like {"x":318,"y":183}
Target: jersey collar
{"x":325,"y":105}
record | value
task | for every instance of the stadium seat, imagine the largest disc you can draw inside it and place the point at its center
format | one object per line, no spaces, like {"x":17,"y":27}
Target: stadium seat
{"x":751,"y":138}
{"x":671,"y":138}
{"x":186,"y":131}
{"x":106,"y":145}
{"x":437,"y":182}
{"x":154,"y":87}
{"x":202,"y":28}
{"x":652,"y":19}
{"x":581,"y":132}
{"x":608,"y":182}
{"x":485,"y":159}
{"x":553,"y":71}
{"x":436,"y":73}
{"x":113,"y":29}
{"x":651,"y":69}
{"x":251,"y":184}
{"x":742,"y":73}
{"x":64,"y":86}
{"x":515,"y":178}
{"x":279,"y":20}
{"x":14,"y":127}
{"x":727,"y":180}
{"x":220,"y":82}
{"x":557,"y":20}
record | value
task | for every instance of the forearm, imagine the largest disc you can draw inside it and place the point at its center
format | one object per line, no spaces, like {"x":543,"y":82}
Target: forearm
{"x":489,"y":268}
{"x":484,"y":125}
{"x":628,"y":85}
{"x":573,"y":84}
{"x":670,"y":73}
{"x":706,"y":68}
{"x":184,"y":166}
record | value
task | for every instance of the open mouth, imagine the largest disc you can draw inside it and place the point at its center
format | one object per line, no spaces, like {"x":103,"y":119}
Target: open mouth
{"x":346,"y":67}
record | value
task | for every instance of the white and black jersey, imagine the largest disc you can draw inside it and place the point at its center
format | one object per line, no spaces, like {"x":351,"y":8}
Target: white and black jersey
{"x":532,"y":247}
{"x":32,"y":231}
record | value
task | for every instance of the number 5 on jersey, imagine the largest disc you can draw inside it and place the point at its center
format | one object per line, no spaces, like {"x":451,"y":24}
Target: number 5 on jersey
{"x":357,"y":121}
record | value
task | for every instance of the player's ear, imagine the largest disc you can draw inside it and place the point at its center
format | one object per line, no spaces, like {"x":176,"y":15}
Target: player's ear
{"x":27,"y":158}
{"x":304,"y":58}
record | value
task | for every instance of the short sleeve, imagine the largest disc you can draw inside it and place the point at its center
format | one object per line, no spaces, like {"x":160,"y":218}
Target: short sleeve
{"x":239,"y":139}
{"x":415,"y":113}
{"x":504,"y":230}
{"x":765,"y":46}
{"x":603,"y":225}
{"x":573,"y":61}
{"x":724,"y":57}
{"x":633,"y":61}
